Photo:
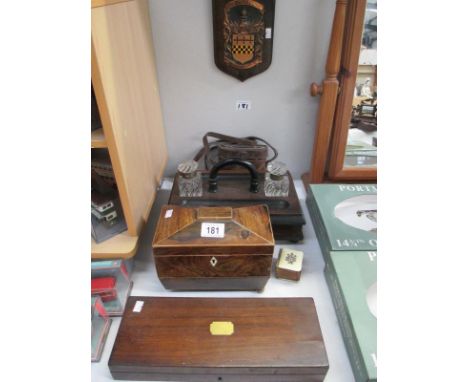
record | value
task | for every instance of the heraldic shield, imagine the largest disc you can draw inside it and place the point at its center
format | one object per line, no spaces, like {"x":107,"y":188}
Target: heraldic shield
{"x":243,"y":36}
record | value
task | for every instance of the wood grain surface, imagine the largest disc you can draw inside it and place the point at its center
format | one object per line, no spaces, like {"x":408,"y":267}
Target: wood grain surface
{"x":252,"y":283}
{"x":329,"y":92}
{"x":287,"y":274}
{"x":234,"y":186}
{"x":233,"y":190}
{"x":223,"y":27}
{"x":126,"y":86}
{"x":273,"y":340}
{"x":184,"y":259}
{"x":248,"y":231}
{"x":226,"y":265}
{"x":337,"y":171}
{"x":101,"y":3}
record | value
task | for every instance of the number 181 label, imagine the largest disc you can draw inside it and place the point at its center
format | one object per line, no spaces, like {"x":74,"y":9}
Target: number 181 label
{"x":212,"y":230}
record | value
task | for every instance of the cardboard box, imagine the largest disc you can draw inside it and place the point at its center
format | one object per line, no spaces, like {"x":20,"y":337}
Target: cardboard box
{"x":344,"y":216}
{"x":352,"y":280}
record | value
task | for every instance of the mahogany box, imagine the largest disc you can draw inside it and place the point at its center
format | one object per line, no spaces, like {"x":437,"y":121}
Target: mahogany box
{"x":213,"y":248}
{"x":219,"y":339}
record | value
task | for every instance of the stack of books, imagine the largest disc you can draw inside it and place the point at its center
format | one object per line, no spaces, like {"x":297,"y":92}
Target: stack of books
{"x":345,"y":222}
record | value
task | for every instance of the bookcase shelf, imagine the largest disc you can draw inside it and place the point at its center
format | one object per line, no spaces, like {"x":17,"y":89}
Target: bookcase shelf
{"x":123,"y":76}
{"x":98,"y":140}
{"x":122,"y":246}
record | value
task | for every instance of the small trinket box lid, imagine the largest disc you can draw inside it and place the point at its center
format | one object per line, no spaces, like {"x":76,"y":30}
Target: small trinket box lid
{"x":290,"y":259}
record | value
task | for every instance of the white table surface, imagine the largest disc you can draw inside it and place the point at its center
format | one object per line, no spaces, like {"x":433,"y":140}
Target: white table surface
{"x":312,"y":284}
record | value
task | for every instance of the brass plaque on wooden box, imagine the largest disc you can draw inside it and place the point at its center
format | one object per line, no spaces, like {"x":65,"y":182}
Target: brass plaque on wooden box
{"x":271,"y":340}
{"x":243,"y":36}
{"x":221,"y":328}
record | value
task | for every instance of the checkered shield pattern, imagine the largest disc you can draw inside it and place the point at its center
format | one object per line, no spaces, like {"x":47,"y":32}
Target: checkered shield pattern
{"x":243,"y":47}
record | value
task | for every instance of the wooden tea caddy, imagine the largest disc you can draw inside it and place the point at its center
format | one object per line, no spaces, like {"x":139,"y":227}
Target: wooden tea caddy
{"x":241,"y":259}
{"x":236,"y":188}
{"x":219,"y":339}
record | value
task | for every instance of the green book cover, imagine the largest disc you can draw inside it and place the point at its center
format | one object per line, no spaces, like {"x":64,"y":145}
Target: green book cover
{"x":344,"y":215}
{"x":319,"y":228}
{"x":352,"y":279}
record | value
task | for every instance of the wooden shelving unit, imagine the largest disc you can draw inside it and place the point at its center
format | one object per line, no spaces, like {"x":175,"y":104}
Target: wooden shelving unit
{"x":126,"y":89}
{"x":121,"y":246}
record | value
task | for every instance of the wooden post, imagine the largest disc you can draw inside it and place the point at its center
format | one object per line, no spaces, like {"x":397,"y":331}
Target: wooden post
{"x":328,"y":90}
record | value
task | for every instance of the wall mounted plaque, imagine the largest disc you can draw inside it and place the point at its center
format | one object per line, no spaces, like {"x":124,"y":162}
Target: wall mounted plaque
{"x":243,"y":36}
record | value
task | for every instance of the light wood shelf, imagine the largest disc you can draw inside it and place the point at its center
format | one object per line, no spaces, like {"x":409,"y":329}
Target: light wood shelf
{"x":101,"y":3}
{"x":98,"y":140}
{"x":124,"y":79}
{"x":122,"y":246}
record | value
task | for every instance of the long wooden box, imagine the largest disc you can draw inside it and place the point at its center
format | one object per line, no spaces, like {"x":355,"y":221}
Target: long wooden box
{"x":219,"y":339}
{"x":239,"y":259}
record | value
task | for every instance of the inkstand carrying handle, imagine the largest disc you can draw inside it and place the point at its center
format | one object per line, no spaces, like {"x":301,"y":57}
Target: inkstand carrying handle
{"x":213,"y":179}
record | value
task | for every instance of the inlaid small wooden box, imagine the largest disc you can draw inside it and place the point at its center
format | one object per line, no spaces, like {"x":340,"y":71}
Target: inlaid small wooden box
{"x":289,"y":264}
{"x":213,"y":248}
{"x":219,"y":339}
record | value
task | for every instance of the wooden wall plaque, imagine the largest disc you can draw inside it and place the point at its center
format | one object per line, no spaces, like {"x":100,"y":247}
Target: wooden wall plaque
{"x":243,"y":36}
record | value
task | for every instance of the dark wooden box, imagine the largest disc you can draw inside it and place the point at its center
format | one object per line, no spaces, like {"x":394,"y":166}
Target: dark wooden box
{"x":219,"y":339}
{"x":241,"y":260}
{"x":233,"y":190}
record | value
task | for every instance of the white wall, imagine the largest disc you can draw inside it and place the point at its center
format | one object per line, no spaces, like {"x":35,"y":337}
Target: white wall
{"x":197,"y":97}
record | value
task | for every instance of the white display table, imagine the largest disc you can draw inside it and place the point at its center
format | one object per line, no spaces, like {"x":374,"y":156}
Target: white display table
{"x":312,"y":284}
